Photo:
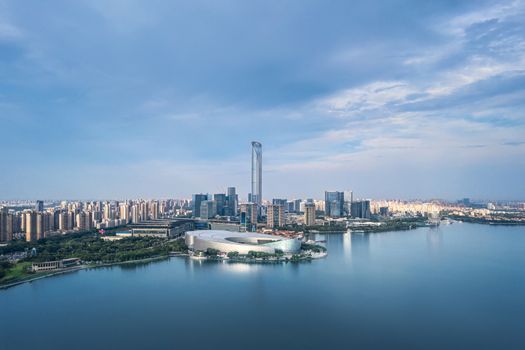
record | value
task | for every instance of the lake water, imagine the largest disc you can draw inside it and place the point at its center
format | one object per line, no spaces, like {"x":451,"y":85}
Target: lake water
{"x":460,"y":286}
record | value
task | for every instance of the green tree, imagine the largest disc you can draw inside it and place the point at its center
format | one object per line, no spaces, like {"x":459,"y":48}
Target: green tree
{"x":212,"y":252}
{"x":233,"y":255}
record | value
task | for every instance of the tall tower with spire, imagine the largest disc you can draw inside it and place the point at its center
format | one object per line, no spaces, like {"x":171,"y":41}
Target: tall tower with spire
{"x":256,"y":193}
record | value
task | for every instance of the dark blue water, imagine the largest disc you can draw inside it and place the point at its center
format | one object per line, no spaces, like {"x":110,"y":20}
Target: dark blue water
{"x":457,"y":287}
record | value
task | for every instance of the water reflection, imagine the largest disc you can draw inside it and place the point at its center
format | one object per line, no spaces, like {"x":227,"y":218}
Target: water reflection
{"x":434,"y":239}
{"x":360,"y":244}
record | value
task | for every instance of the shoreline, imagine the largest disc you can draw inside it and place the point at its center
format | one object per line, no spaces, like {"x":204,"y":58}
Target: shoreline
{"x":261,"y":260}
{"x":79,"y":268}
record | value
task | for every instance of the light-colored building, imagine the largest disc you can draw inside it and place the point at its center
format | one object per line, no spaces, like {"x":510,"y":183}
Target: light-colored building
{"x":135,"y":214}
{"x":124,"y":212}
{"x":256,"y":193}
{"x":309,"y":214}
{"x":40,"y":224}
{"x":55,"y":265}
{"x":275,"y":216}
{"x":243,"y":243}
{"x":30,"y":221}
{"x":163,"y":228}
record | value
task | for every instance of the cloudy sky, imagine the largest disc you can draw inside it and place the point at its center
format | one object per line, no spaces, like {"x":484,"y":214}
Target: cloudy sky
{"x":408,"y":99}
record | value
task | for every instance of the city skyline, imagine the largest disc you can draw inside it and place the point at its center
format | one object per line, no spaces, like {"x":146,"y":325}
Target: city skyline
{"x":131,"y":100}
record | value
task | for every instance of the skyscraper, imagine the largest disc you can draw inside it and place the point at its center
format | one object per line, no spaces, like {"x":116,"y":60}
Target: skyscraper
{"x":39,"y":206}
{"x":256,"y":194}
{"x":233,"y":201}
{"x":220,"y":200}
{"x":361,"y":209}
{"x":334,"y":203}
{"x":197,"y":200}
{"x":208,"y":209}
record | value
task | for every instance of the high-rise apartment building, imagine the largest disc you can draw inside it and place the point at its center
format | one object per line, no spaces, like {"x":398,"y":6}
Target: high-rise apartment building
{"x":84,"y":221}
{"x":154,"y":210}
{"x":135,"y":214}
{"x":309,"y":214}
{"x":107,"y":211}
{"x":13,"y":225}
{"x":30,"y":226}
{"x":124,"y":212}
{"x":40,"y":230}
{"x":63,"y":219}
{"x":144,"y":211}
{"x":3,"y":224}
{"x":275,"y":216}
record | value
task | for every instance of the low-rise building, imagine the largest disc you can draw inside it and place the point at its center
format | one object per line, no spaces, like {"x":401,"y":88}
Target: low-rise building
{"x":164,"y":228}
{"x":55,"y":265}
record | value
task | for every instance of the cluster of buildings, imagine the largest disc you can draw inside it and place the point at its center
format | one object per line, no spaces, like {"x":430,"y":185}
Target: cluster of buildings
{"x":278,"y":212}
{"x":39,"y":222}
{"x":35,"y":220}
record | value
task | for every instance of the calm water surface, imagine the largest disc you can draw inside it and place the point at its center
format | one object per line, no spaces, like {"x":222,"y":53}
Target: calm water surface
{"x":460,"y":286}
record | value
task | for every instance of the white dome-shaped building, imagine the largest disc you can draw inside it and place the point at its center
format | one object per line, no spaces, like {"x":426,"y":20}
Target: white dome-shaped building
{"x":241,"y":242}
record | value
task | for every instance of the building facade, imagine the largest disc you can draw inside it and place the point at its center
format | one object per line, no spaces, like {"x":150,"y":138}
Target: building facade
{"x":248,"y":216}
{"x":227,"y":241}
{"x":256,"y":193}
{"x":309,"y":214}
{"x":196,"y":204}
{"x":275,"y":216}
{"x":361,"y":209}
{"x":334,"y":203}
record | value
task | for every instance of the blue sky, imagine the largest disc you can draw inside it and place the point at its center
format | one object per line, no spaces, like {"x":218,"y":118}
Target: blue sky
{"x":408,"y":99}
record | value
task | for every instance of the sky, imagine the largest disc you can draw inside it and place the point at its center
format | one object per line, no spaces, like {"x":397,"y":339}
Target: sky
{"x":161,"y":99}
